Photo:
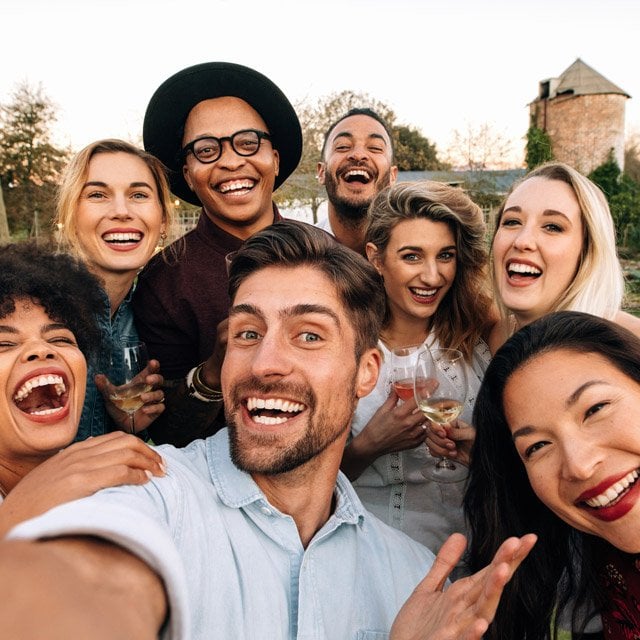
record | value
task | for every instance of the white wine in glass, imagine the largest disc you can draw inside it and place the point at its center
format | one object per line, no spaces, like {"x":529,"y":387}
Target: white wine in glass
{"x":443,"y":400}
{"x":130,"y":385}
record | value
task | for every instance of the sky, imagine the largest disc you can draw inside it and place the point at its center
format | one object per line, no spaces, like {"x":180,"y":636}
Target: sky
{"x":441,"y":65}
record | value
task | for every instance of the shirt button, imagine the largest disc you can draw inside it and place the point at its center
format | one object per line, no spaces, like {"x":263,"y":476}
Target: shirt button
{"x":266,"y":511}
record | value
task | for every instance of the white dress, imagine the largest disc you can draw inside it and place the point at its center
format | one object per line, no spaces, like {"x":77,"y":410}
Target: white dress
{"x":393,"y":487}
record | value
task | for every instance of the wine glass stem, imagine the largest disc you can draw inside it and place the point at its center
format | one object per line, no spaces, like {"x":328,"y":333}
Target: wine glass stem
{"x":133,"y":423}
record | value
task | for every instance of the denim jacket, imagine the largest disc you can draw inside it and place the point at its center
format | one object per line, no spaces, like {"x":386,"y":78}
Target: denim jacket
{"x":95,"y":420}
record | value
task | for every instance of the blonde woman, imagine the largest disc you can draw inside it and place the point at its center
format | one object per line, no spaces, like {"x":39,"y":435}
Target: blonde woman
{"x":114,"y":207}
{"x":554,"y":249}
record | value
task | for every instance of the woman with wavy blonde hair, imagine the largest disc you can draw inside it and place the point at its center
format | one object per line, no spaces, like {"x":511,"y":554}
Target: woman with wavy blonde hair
{"x":554,"y":249}
{"x":113,"y":209}
{"x":427,"y":240}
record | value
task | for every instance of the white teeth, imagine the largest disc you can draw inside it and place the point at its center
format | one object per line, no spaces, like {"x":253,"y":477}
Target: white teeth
{"x":122,"y":237}
{"x":424,"y":292}
{"x":357,"y":172}
{"x":46,"y":412}
{"x":277,"y":404}
{"x":235,"y":186}
{"x":518,"y":267}
{"x":268,"y":420}
{"x":40,"y":381}
{"x":613,"y":492}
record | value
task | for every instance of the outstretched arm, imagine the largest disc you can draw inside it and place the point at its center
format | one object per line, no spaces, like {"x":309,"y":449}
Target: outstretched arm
{"x":465,"y":610}
{"x":77,"y":588}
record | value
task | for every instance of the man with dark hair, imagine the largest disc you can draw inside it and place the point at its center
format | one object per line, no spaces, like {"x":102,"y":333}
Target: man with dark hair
{"x":356,"y":163}
{"x":254,"y":533}
{"x":229,"y":137}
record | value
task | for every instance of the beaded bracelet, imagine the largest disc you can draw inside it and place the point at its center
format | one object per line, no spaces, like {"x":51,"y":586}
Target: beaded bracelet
{"x":198,"y":389}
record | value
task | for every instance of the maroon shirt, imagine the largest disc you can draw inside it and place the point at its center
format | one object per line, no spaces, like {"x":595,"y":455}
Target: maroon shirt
{"x":179,"y":302}
{"x":619,"y":575}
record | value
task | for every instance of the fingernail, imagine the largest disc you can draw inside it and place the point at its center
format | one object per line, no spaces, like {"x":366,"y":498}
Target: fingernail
{"x":148,"y":474}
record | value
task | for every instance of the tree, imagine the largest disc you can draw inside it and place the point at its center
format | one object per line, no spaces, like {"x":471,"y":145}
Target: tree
{"x":414,"y":152}
{"x":5,"y":236}
{"x":632,"y":157}
{"x":538,"y":149}
{"x":30,"y":164}
{"x":478,"y":148}
{"x":607,"y":176}
{"x":316,"y":116}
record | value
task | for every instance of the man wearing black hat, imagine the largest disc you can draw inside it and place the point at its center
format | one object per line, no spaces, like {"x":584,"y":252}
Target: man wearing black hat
{"x":229,"y":137}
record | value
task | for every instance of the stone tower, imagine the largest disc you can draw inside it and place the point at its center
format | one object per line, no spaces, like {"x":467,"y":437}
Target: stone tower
{"x":583,"y":115}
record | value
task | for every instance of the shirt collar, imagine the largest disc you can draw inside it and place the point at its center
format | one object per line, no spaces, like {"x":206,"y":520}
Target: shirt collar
{"x":237,"y":488}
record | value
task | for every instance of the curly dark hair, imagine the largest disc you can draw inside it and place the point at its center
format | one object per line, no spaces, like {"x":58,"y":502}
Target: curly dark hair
{"x":60,"y":283}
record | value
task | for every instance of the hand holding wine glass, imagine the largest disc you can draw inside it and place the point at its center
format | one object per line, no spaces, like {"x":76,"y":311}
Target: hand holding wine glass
{"x":443,"y":400}
{"x":128,"y":387}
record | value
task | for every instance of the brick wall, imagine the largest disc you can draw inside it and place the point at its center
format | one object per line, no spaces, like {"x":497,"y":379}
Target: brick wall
{"x":583,"y":128}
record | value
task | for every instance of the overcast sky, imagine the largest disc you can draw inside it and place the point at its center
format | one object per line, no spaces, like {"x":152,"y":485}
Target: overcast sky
{"x":441,"y":65}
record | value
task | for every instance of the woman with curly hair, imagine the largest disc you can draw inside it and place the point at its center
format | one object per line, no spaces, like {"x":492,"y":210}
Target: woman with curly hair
{"x":427,"y":241}
{"x":49,"y":306}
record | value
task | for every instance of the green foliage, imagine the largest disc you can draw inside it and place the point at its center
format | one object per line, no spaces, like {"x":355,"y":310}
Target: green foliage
{"x":538,"y":149}
{"x":623,"y":194}
{"x":30,"y":164}
{"x":607,"y":176}
{"x":414,"y":152}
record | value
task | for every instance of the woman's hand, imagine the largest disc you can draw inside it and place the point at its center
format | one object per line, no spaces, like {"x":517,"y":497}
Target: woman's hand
{"x":153,"y":399}
{"x":393,"y":427}
{"x":453,"y":440}
{"x":465,"y":609}
{"x":78,"y":471}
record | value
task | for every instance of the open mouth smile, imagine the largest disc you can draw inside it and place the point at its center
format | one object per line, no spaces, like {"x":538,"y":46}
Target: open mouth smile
{"x":127,"y":238}
{"x":614,"y":493}
{"x":521,"y":270}
{"x":363,"y":176}
{"x":236,"y":187}
{"x":42,"y":395}
{"x":272,"y":411}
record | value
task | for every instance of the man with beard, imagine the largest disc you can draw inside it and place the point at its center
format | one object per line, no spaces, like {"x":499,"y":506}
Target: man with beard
{"x":254,"y":533}
{"x":357,"y":163}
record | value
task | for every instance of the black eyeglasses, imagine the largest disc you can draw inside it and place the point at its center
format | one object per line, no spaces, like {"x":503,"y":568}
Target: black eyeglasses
{"x":209,"y":149}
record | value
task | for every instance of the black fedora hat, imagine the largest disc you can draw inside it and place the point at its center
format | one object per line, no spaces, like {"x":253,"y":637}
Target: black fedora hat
{"x":173,"y":100}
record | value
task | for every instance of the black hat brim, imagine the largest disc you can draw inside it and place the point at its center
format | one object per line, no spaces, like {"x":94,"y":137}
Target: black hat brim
{"x":173,"y":100}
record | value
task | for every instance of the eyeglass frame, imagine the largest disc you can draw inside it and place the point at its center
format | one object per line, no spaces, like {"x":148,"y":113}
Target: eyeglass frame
{"x":189,"y":147}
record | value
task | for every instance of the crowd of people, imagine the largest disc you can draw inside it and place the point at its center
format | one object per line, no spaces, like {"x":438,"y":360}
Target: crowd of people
{"x":272,"y":483}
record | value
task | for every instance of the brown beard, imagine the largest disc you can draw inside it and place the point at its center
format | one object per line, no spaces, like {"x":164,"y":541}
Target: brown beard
{"x":274,"y":460}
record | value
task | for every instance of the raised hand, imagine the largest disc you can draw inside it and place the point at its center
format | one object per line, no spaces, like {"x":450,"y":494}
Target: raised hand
{"x":465,"y":609}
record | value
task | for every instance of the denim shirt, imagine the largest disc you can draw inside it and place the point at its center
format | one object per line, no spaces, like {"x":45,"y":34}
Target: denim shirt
{"x":95,"y":420}
{"x":234,"y":566}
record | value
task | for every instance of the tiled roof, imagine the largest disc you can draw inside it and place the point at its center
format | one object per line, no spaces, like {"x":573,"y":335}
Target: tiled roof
{"x":495,"y":182}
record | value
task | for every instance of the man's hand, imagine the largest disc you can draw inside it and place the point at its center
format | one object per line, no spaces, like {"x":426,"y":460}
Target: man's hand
{"x":465,"y":609}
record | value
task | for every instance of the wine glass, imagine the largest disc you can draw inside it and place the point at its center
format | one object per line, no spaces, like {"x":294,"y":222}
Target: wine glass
{"x":403,"y":363}
{"x":129,"y":384}
{"x":441,"y":398}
